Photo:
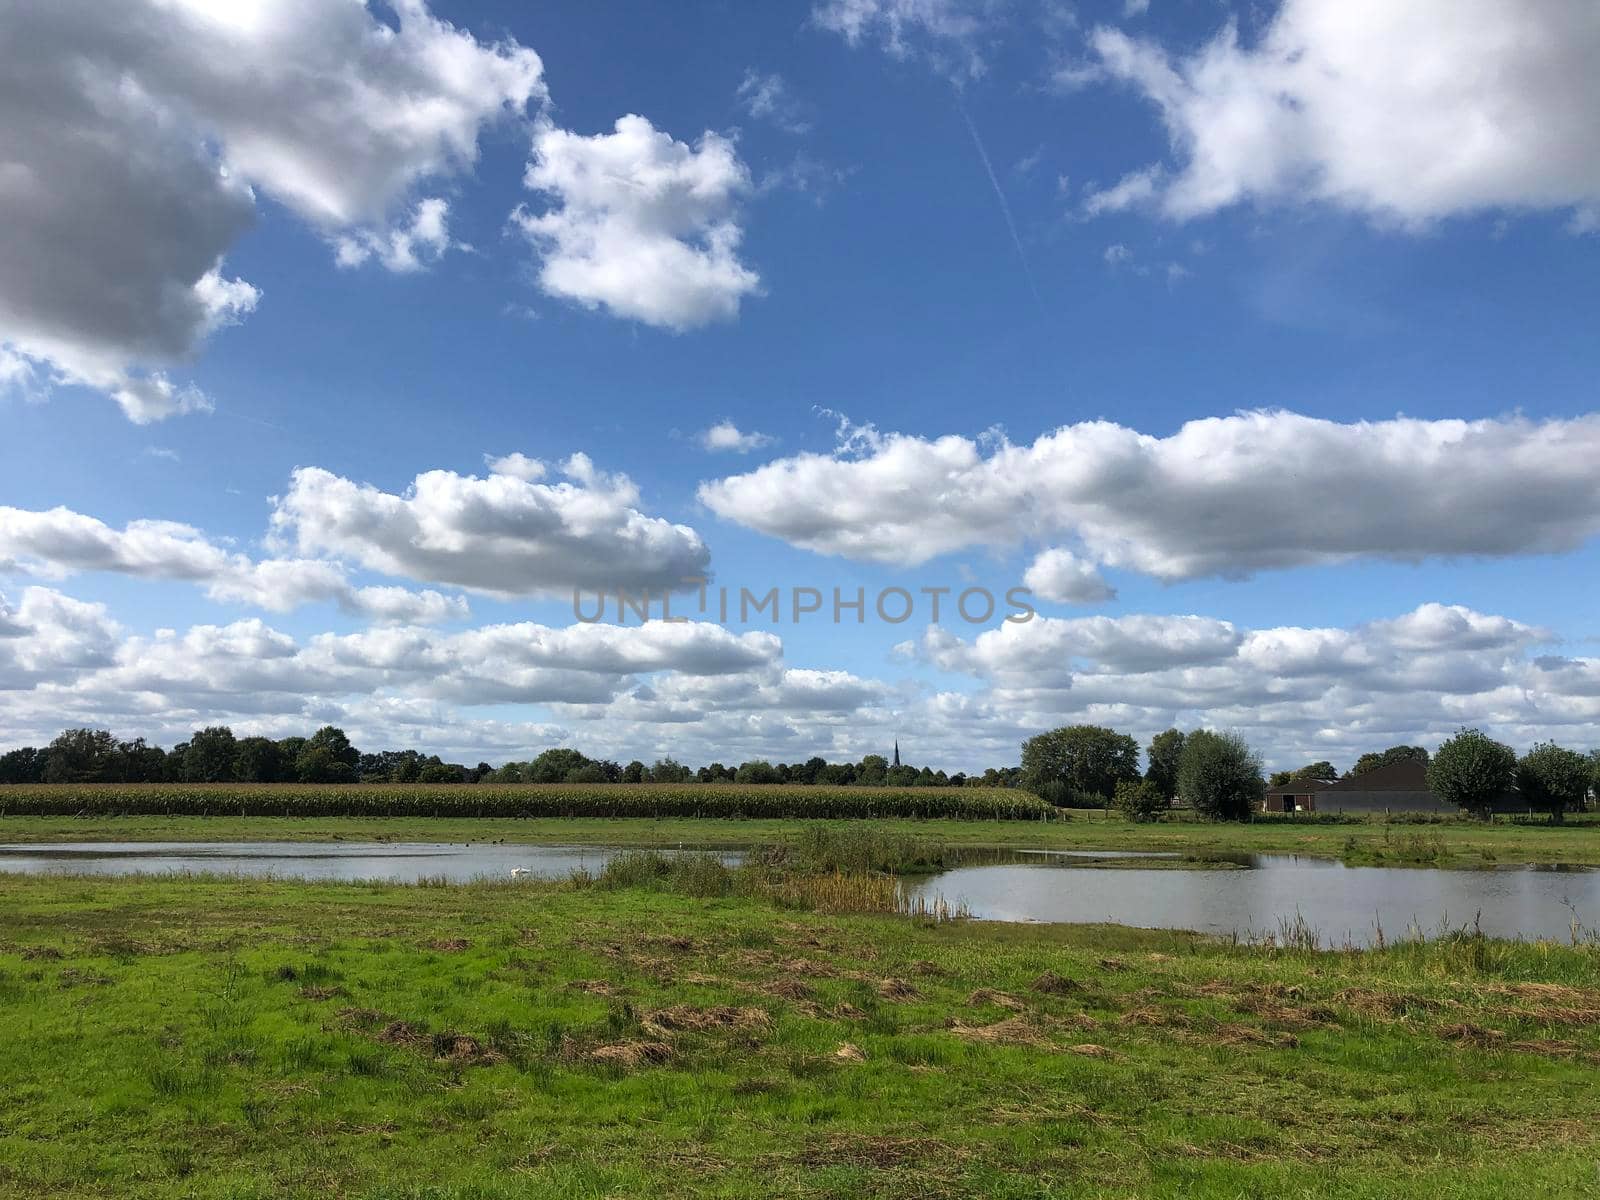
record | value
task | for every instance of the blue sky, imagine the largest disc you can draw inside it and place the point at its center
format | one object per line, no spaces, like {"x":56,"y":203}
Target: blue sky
{"x":849,"y":229}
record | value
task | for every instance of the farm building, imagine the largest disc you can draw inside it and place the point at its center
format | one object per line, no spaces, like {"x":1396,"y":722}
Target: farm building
{"x":1400,"y":787}
{"x":1298,"y":795}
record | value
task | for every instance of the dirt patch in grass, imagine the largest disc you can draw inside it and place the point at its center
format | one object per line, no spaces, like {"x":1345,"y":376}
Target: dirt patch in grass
{"x":42,"y":954}
{"x":686,"y":1018}
{"x":594,"y":987}
{"x":458,"y":1048}
{"x":897,"y":990}
{"x":881,"y":1153}
{"x":1379,"y":1005}
{"x":1150,"y":1016}
{"x":313,"y":992}
{"x":789,"y":989}
{"x":983,"y":996}
{"x":1248,"y":1035}
{"x":1012,"y":1031}
{"x":850,"y":1052}
{"x":673,"y":943}
{"x":1051,"y":984}
{"x":1092,"y":1050}
{"x":449,"y":945}
{"x":929,"y":970}
{"x":632,"y":1055}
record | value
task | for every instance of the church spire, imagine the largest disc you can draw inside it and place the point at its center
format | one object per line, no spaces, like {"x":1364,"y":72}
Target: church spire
{"x":897,"y":752}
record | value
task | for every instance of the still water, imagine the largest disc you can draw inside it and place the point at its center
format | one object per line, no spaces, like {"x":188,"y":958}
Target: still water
{"x":1343,"y":904}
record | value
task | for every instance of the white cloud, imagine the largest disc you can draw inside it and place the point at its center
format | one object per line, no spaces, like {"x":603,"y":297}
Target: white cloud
{"x":136,"y":135}
{"x":60,"y":542}
{"x":1062,"y":576}
{"x":640,"y":224}
{"x":1221,"y":496}
{"x":946,"y":32}
{"x":768,"y":97}
{"x":504,"y":533}
{"x":401,"y":248}
{"x":1116,"y":254}
{"x":701,"y":692}
{"x":726,"y":436}
{"x":1407,"y":112}
{"x":1297,"y":693}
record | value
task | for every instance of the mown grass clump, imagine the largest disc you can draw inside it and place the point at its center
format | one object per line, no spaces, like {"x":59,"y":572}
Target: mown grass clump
{"x":518,"y":800}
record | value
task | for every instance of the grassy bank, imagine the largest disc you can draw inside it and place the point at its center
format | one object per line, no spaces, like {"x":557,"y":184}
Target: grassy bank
{"x":1460,"y":843}
{"x":211,"y":1038}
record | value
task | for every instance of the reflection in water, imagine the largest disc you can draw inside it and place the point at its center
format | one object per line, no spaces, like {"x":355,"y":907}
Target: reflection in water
{"x":1344,"y":904}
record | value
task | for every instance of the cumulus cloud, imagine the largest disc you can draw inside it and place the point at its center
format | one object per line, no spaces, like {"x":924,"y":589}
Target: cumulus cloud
{"x":401,"y":248}
{"x":640,"y":224}
{"x":137,"y":135}
{"x":505,"y":533}
{"x":49,"y":637}
{"x":1221,"y":496}
{"x":1297,"y":693}
{"x":768,"y":97}
{"x":726,"y":436}
{"x":64,"y":661}
{"x":698,"y":691}
{"x":1062,"y":576}
{"x":1406,"y":112}
{"x":59,"y":542}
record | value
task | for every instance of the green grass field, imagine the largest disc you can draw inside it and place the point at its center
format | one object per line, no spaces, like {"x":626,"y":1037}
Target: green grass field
{"x":219,"y":1038}
{"x":1457,"y":843}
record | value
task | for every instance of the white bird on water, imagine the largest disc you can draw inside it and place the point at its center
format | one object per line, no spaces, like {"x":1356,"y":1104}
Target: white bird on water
{"x":518,"y":872}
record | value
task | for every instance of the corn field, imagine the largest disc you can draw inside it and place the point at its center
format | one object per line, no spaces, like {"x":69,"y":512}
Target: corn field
{"x":517,"y":800}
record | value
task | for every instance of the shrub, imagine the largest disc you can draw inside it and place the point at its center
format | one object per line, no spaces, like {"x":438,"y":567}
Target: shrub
{"x":1219,"y":776}
{"x":1140,"y":799}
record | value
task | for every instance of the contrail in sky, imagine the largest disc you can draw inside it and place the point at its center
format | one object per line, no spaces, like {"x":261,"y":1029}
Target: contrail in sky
{"x":999,"y":194}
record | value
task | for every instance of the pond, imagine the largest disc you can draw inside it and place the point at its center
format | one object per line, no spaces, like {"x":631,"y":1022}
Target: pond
{"x":1342,"y":904}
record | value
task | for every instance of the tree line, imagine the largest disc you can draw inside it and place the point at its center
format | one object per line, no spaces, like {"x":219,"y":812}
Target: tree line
{"x":215,"y":755}
{"x":1219,"y":776}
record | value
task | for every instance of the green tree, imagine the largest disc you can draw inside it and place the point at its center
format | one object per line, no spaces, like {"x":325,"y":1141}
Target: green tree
{"x":633,"y":772}
{"x":554,"y":765}
{"x":1219,"y":776}
{"x":1372,"y":760}
{"x":873,"y":770}
{"x":1079,"y":762}
{"x":23,"y":766}
{"x":1140,"y":799}
{"x":211,"y":754}
{"x":1471,"y":770}
{"x":332,"y":739}
{"x":440,"y":772}
{"x":259,"y":760}
{"x":1554,"y":779}
{"x":756,"y":771}
{"x":83,"y":756}
{"x":1162,"y":755}
{"x":317,"y":764}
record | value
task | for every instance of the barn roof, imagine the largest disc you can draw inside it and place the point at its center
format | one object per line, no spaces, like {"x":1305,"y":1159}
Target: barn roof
{"x":1408,"y":775}
{"x":1299,"y":787}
